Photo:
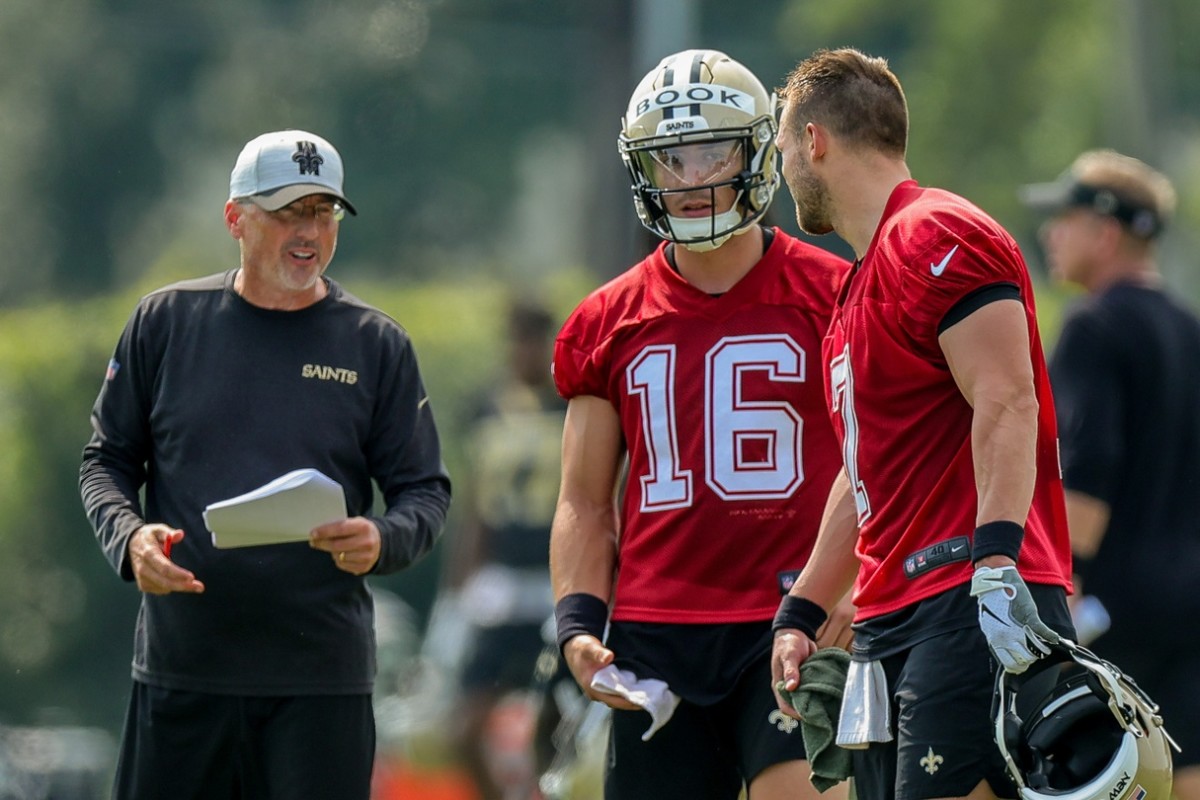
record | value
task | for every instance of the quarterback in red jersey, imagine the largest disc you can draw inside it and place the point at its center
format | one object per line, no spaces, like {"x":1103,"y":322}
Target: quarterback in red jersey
{"x":951,"y":497}
{"x":695,"y":388}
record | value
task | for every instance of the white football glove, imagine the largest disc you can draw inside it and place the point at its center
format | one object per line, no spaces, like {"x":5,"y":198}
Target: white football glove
{"x":1009,"y":619}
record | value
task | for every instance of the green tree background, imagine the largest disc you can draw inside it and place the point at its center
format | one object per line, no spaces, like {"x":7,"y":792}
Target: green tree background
{"x":479,"y":137}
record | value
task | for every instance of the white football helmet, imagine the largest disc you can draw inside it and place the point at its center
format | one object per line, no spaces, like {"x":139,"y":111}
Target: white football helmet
{"x":1080,"y":729}
{"x":699,"y":122}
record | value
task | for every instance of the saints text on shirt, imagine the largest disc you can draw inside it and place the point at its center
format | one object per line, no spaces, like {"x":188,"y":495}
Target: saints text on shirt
{"x":325,"y":373}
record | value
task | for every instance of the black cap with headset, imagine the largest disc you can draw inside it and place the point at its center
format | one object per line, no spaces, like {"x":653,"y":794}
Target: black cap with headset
{"x":1069,"y":191}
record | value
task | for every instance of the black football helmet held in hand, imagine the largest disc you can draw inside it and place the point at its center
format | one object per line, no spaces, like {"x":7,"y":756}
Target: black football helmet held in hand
{"x":1080,"y":729}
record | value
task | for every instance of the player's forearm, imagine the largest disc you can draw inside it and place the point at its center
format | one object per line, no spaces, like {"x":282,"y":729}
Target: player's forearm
{"x":1004,"y":449}
{"x":583,"y":536}
{"x":583,"y":549}
{"x":831,"y":569}
{"x":988,"y":354}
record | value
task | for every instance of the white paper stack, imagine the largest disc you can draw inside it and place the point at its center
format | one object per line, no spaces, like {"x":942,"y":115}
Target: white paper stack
{"x":284,"y":510}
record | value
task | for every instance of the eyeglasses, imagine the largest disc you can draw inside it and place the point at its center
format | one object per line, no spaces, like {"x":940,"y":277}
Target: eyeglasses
{"x":325,"y":212}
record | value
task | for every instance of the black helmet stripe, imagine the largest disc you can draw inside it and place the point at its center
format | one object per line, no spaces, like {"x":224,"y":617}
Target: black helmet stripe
{"x":694,"y":69}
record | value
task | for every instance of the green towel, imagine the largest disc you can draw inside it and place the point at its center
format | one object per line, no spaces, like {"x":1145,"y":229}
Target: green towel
{"x":819,"y":701}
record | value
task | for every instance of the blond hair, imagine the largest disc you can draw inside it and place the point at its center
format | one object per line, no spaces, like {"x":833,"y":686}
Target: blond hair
{"x":1128,"y":178}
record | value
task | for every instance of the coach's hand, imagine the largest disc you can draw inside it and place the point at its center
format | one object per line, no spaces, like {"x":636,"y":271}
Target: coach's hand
{"x":153,"y":570}
{"x":354,"y":544}
{"x":1009,"y":618}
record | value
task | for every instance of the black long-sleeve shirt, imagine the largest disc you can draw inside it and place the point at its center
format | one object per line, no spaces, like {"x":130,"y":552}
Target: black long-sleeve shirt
{"x":207,"y":397}
{"x":1126,"y":378}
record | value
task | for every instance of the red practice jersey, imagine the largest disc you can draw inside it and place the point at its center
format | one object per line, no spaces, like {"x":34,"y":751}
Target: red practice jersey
{"x":722,"y":406}
{"x":904,"y":426}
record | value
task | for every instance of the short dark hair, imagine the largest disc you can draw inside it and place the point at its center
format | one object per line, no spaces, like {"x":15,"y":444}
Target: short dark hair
{"x":855,"y":95}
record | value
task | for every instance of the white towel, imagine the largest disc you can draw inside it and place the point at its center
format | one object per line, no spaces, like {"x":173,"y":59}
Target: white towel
{"x":866,"y":712}
{"x":650,"y":694}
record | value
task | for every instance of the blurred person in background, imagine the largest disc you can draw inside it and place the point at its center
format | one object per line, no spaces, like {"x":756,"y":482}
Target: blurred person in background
{"x":950,"y":497}
{"x":1126,"y":378}
{"x":253,"y":668}
{"x":696,"y":400}
{"x":499,"y":568}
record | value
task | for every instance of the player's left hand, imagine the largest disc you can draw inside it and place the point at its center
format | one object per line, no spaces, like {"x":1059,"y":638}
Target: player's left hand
{"x":1009,"y":618}
{"x":353,"y":544}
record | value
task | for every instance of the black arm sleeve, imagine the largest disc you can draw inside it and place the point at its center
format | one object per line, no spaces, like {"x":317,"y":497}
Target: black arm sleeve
{"x":113,"y":469}
{"x":405,"y":458}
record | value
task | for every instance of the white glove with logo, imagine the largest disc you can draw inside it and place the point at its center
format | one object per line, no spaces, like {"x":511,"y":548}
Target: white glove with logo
{"x":1009,"y":619}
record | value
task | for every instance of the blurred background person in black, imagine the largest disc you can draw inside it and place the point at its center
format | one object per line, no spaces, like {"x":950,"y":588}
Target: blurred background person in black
{"x":1126,"y":379}
{"x":498,"y":568}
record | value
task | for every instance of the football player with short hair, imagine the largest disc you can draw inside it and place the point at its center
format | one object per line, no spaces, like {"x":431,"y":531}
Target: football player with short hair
{"x":693,"y":389}
{"x":950,"y":499}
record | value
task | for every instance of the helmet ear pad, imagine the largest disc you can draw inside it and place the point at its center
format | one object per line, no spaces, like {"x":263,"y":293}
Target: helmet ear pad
{"x":1075,"y":726}
{"x":1068,"y":739}
{"x":1012,"y":731}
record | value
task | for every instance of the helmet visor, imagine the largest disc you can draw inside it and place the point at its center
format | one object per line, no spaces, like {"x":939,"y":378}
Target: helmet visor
{"x":692,"y":165}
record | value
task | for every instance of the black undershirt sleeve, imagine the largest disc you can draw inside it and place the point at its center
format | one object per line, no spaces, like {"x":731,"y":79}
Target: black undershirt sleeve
{"x":976,"y":300}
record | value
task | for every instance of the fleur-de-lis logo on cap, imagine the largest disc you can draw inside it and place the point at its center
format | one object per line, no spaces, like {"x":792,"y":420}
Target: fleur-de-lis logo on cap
{"x":306,"y":156}
{"x":931,"y":762}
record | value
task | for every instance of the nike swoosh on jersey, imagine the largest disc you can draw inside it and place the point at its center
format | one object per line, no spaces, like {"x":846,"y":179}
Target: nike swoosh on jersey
{"x":940,"y":267}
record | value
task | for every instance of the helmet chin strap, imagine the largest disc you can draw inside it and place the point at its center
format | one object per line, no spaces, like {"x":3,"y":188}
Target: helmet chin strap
{"x":689,"y":228}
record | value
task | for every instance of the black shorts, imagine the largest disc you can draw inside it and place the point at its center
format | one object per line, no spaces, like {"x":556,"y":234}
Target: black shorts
{"x":941,"y":690}
{"x":703,"y":751}
{"x":192,"y":746}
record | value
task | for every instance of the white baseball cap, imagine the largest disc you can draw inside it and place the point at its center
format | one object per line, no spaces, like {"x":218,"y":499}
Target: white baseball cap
{"x":278,"y":168}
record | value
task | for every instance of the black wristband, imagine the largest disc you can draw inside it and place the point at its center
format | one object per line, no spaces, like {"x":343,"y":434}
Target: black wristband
{"x":580,"y":613}
{"x":800,"y":613}
{"x":999,"y":538}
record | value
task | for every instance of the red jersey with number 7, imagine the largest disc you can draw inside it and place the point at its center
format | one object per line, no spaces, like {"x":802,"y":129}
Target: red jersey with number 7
{"x":722,"y":407}
{"x":904,"y":426}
